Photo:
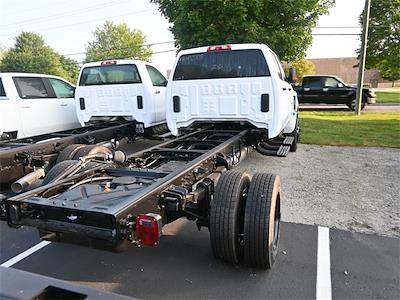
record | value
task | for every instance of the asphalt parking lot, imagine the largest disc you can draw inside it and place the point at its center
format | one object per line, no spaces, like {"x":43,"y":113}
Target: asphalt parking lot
{"x":313,"y":261}
{"x":361,"y":266}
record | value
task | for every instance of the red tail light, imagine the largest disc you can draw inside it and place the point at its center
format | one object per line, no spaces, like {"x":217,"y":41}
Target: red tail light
{"x":109,"y":62}
{"x":219,"y":48}
{"x":148,"y":229}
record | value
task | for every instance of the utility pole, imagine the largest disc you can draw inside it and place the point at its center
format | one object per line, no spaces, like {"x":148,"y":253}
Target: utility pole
{"x":361,"y":64}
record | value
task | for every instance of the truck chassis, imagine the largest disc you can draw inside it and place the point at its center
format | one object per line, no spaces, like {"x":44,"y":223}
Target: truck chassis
{"x":20,"y":157}
{"x":107,"y":202}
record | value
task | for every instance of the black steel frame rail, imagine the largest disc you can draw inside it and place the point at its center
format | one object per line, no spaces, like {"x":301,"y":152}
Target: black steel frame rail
{"x":14,"y":161}
{"x":145,"y":200}
{"x":152,"y":192}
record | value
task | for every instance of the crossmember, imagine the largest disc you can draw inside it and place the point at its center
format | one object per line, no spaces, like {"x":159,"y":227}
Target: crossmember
{"x":173,"y":179}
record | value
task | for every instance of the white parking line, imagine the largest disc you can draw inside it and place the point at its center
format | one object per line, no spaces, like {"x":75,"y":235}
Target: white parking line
{"x":25,"y":254}
{"x":323,"y":287}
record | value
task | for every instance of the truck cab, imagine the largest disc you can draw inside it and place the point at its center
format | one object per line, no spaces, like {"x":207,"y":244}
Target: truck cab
{"x":35,"y":104}
{"x":132,"y":90}
{"x":239,"y":83}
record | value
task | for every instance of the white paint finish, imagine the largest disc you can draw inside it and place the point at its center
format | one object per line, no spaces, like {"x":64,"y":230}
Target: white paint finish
{"x":35,"y":116}
{"x":233,"y":99}
{"x":25,"y":254}
{"x":120,"y":100}
{"x":228,"y":105}
{"x":323,"y":285}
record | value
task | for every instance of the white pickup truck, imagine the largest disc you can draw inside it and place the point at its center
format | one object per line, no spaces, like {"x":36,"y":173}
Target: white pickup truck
{"x":35,"y":104}
{"x":132,"y":90}
{"x":242,"y":83}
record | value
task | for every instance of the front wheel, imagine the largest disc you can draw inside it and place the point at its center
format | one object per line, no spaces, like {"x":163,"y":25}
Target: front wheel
{"x":352,"y":104}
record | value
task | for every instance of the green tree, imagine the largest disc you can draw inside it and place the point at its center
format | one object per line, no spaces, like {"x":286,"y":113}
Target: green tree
{"x":303,"y":67}
{"x":31,"y":55}
{"x":383,"y":47}
{"x":284,"y":25}
{"x":71,"y":67}
{"x":3,"y":51}
{"x":117,"y":41}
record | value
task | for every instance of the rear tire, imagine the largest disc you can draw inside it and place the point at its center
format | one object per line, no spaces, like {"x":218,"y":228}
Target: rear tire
{"x":262,"y":221}
{"x":57,"y":170}
{"x":227,"y":216}
{"x":64,"y":165}
{"x":68,"y":152}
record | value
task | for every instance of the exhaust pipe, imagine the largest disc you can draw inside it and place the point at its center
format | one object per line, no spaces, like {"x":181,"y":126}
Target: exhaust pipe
{"x":26,"y":181}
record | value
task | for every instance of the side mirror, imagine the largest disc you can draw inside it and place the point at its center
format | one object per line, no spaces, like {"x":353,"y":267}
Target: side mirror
{"x":340,"y":85}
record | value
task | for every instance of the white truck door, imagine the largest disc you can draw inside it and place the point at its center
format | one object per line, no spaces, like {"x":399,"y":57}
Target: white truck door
{"x":285,"y":95}
{"x":159,"y":83}
{"x":38,"y":107}
{"x":10,"y":121}
{"x":66,"y":103}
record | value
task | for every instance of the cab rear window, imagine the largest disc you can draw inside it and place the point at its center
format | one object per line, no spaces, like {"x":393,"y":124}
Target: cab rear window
{"x":109,"y":74}
{"x":221,"y":64}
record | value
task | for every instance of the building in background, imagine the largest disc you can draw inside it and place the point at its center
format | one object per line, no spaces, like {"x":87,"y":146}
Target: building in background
{"x":344,"y":67}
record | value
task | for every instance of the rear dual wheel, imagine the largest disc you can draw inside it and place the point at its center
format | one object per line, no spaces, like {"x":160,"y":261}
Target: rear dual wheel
{"x":262,"y":221}
{"x":245,"y":219}
{"x":227,"y":216}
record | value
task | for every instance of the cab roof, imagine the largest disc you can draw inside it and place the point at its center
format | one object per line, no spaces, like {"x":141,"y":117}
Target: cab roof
{"x":115,"y":62}
{"x":231,"y":46}
{"x":20,"y":74}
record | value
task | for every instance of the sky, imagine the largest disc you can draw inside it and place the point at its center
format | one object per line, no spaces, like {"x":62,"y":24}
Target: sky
{"x":68,"y":25}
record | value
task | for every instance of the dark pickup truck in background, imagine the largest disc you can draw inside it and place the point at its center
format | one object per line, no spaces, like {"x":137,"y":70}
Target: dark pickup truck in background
{"x":330,"y":89}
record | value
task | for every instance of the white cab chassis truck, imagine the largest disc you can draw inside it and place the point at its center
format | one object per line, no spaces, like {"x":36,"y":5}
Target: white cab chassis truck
{"x":133,"y":90}
{"x":238,"y":97}
{"x":231,"y":83}
{"x":35,"y":104}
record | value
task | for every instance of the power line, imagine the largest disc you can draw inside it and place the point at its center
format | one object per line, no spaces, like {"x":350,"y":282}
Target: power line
{"x":337,"y":27}
{"x":158,"y":52}
{"x":57,"y":16}
{"x":348,"y":27}
{"x":85,"y":22}
{"x":145,"y":45}
{"x":337,"y":34}
{"x":19,"y":12}
{"x":165,"y":51}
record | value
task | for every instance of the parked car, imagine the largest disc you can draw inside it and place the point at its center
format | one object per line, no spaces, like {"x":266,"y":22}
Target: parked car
{"x":331,"y":89}
{"x":231,"y":83}
{"x":35,"y":104}
{"x":120,"y":89}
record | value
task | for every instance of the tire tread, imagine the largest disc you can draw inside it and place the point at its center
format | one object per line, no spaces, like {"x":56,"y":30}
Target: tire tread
{"x":224,"y":210}
{"x":256,"y":226}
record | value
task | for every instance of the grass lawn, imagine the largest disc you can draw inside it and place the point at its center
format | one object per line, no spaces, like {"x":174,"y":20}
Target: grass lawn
{"x":388,"y":97}
{"x":345,"y":128}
